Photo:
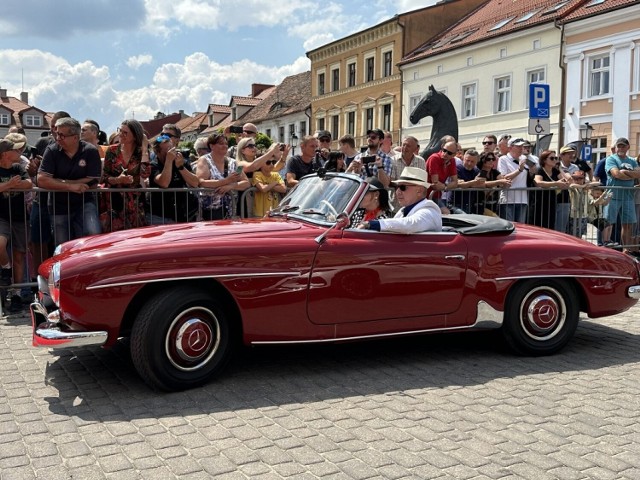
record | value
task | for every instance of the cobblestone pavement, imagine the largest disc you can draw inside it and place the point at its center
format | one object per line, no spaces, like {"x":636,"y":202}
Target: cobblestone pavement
{"x":442,"y":406}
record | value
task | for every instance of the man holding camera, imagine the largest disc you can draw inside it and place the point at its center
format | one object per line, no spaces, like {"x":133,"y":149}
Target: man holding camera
{"x":373,"y":162}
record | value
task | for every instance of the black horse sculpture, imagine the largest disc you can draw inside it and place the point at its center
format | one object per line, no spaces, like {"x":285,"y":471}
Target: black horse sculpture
{"x":445,"y":120}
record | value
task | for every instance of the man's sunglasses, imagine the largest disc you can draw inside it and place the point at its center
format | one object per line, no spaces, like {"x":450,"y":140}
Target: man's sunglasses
{"x":488,"y":143}
{"x":444,"y":150}
{"x":402,"y":188}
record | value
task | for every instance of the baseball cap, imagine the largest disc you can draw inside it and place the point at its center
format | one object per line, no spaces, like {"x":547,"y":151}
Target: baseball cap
{"x":323,"y":134}
{"x":7,"y":145}
{"x":376,"y":131}
{"x":622,"y":141}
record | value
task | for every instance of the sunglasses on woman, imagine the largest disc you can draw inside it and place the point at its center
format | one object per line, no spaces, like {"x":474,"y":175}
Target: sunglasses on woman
{"x":271,"y":162}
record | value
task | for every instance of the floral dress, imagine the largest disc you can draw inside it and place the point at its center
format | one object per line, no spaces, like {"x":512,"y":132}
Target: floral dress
{"x":122,"y":210}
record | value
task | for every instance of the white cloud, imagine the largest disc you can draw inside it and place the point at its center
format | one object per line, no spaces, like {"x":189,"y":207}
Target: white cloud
{"x":139,"y":60}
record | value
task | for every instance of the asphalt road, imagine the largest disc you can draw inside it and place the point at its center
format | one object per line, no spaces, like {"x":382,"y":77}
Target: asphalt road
{"x":441,"y":406}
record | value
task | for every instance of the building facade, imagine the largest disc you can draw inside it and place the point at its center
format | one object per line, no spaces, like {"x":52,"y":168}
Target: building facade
{"x":356,"y":84}
{"x":485,"y":65}
{"x":602,"y":59}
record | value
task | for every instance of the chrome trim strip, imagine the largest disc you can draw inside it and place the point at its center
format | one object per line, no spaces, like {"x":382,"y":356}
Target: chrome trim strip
{"x":230,"y":275}
{"x":634,"y":292}
{"x":486,"y":318}
{"x":617,"y":277}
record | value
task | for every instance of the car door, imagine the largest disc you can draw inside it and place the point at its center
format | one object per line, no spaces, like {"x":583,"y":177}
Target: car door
{"x":366,"y":276}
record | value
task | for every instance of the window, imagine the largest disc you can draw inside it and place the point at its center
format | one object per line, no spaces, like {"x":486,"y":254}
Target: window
{"x":351,"y":123}
{"x":335,"y":79}
{"x":281,"y":134}
{"x":33,"y":120}
{"x":368,"y":119}
{"x":268,"y":132}
{"x":4,"y":119}
{"x":321,"y":124}
{"x":416,"y":75}
{"x":386,"y":117}
{"x":351,"y":68}
{"x":599,"y":149}
{"x":501,"y":24}
{"x":388,"y":65}
{"x":370,"y":62}
{"x":469,"y":100}
{"x":503,"y":52}
{"x":303,"y":128}
{"x":469,"y":61}
{"x":440,"y":69}
{"x":535,"y":76}
{"x":599,"y":75}
{"x":335,"y":126}
{"x":292,"y":129}
{"x":321,"y":84}
{"x":413,"y":101}
{"x":502,"y":94}
{"x":537,"y":44}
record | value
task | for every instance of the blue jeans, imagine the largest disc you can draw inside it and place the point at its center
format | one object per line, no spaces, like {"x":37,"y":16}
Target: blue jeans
{"x":562,"y":217}
{"x":82,"y":222}
{"x":514,"y":212}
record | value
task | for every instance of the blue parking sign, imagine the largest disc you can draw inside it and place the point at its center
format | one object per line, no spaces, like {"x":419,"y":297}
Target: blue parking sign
{"x":585,"y":154}
{"x":539,"y":102}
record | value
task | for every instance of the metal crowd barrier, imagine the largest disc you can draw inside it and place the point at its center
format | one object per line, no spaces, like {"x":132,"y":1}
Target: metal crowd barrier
{"x":40,"y":238}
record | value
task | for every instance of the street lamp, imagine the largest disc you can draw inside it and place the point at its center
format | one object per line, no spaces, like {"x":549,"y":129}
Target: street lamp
{"x":586,"y":131}
{"x":294,"y":144}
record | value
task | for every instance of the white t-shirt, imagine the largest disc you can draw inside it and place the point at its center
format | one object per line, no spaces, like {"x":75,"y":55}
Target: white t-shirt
{"x":516,"y":193}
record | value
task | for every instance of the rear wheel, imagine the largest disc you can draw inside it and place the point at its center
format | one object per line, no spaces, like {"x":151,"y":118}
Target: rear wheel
{"x":180,"y":339}
{"x":541,"y":316}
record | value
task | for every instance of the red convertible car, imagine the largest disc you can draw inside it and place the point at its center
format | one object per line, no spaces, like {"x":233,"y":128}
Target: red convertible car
{"x":188,"y":294}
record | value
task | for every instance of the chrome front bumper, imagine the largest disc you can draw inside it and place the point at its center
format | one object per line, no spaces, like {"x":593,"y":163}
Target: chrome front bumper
{"x":634,"y":292}
{"x":47,"y":331}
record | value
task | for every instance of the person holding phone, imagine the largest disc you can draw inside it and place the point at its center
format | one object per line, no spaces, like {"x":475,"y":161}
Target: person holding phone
{"x":373,"y":162}
{"x":169,"y":169}
{"x":221,"y":174}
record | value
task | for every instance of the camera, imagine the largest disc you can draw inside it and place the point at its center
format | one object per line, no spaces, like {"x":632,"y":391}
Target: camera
{"x":365,"y":159}
{"x":235,"y":129}
{"x":33,"y":151}
{"x":185,"y":152}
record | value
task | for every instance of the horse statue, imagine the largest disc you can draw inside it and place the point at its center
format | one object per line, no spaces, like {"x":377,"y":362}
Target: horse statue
{"x":445,"y":120}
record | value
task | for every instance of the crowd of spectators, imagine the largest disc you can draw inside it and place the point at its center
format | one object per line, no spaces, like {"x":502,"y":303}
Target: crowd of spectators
{"x":90,"y":184}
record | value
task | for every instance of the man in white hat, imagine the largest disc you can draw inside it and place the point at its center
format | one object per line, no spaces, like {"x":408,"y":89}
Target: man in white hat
{"x":418,"y":214}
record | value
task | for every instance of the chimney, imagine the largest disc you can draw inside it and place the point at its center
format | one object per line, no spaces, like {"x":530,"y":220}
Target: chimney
{"x":3,"y":92}
{"x":24,"y":97}
{"x":258,"y":88}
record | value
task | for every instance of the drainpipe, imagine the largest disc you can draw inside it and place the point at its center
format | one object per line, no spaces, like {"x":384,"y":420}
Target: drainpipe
{"x":563,"y":85}
{"x":307,"y":112}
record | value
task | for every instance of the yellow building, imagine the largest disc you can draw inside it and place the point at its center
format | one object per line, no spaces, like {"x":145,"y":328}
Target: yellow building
{"x":355,"y":82}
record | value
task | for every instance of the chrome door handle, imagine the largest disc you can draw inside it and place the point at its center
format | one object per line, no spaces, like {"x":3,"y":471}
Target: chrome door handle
{"x":454,"y":257}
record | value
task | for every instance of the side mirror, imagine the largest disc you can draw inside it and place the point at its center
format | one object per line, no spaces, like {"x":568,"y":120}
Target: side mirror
{"x":342,"y":222}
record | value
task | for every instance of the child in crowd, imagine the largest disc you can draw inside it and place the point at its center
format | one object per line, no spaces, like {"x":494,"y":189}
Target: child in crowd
{"x":599,"y":199}
{"x":269,"y":186}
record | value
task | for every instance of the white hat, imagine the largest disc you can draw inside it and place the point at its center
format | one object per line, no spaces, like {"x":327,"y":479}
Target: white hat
{"x":414,"y":176}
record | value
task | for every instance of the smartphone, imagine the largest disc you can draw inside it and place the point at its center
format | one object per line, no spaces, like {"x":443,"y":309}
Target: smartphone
{"x":282,"y":147}
{"x":239,"y":169}
{"x":368,"y":159}
{"x":235,"y":129}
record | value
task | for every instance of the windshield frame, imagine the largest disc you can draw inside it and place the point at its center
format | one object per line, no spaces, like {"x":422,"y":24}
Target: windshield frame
{"x":350,"y":189}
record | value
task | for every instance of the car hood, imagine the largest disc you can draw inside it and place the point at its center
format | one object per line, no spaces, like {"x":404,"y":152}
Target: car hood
{"x":183,"y":235}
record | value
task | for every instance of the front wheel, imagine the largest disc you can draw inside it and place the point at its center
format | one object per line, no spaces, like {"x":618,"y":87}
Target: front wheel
{"x":180,"y":339}
{"x":541,"y":317}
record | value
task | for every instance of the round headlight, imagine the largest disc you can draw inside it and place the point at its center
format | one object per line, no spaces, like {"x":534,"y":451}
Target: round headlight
{"x":54,"y":283}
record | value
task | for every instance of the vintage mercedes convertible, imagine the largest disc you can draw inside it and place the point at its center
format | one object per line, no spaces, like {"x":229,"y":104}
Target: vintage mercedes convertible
{"x":188,"y":294}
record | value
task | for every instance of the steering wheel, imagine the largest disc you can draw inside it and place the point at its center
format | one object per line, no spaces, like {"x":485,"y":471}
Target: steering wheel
{"x":329,"y":206}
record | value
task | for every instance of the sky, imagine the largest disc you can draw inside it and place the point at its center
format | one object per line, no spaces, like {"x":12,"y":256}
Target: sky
{"x":110,"y":60}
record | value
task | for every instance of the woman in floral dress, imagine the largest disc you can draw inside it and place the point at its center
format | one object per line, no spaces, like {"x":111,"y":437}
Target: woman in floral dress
{"x":126,"y":165}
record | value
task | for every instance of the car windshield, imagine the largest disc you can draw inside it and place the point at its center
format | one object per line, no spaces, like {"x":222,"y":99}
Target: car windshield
{"x":320,"y":198}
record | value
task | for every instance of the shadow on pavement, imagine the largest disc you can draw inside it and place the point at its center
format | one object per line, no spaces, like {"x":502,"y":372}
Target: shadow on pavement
{"x":102,"y":385}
